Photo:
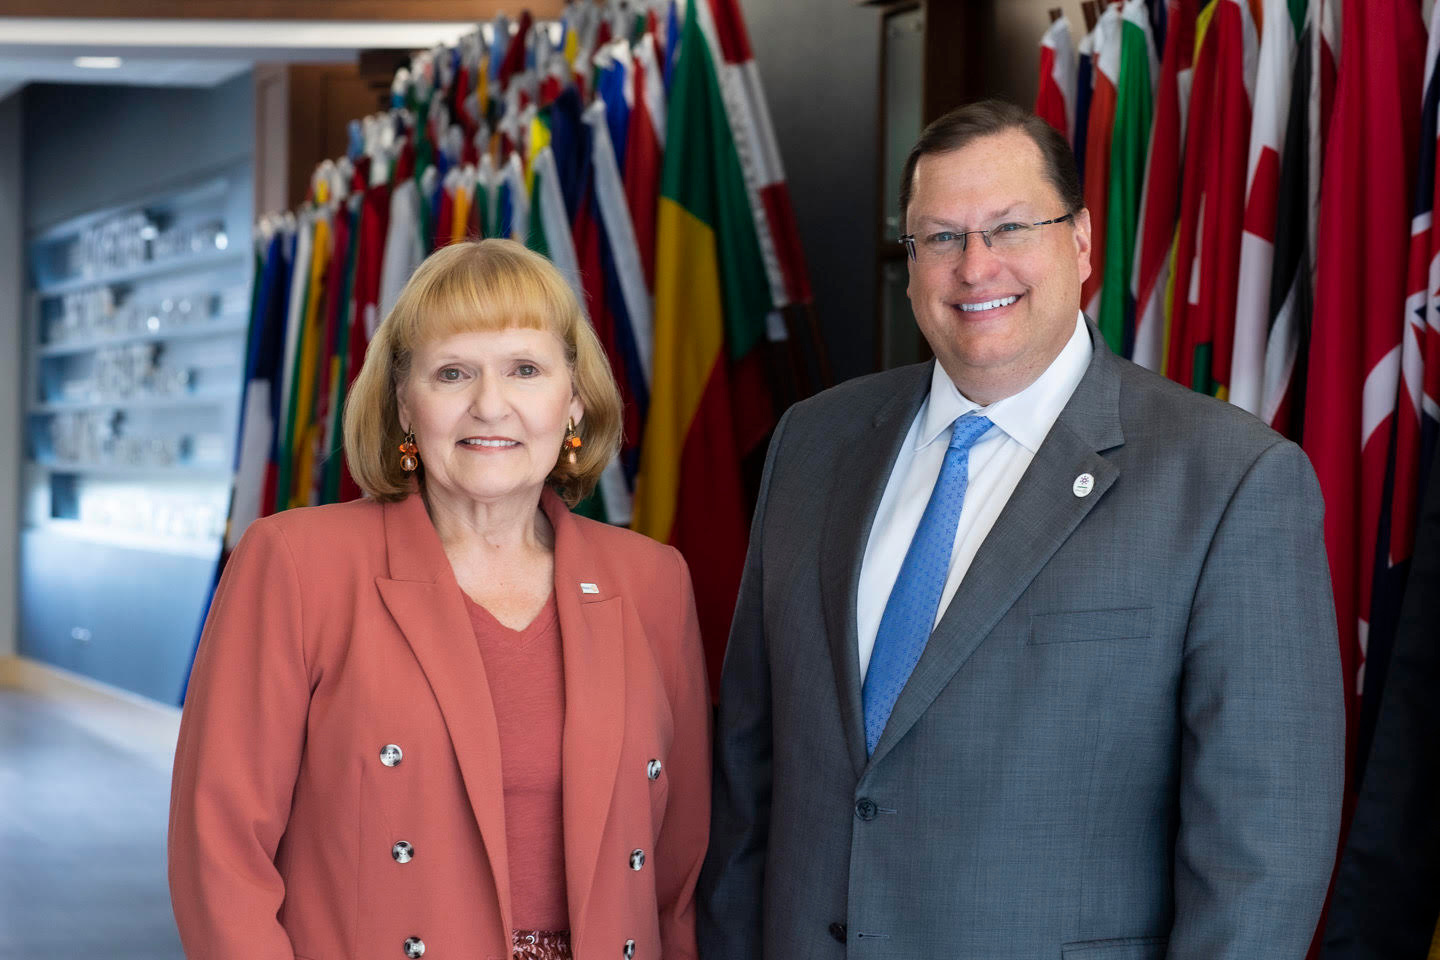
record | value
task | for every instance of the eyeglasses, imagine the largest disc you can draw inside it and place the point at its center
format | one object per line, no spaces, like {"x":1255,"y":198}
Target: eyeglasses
{"x":947,"y":245}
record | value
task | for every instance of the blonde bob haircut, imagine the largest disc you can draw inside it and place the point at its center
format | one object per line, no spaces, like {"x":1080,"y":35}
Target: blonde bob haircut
{"x":463,"y":288}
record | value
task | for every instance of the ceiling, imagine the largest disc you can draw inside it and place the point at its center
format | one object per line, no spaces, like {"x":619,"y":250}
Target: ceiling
{"x":191,"y":53}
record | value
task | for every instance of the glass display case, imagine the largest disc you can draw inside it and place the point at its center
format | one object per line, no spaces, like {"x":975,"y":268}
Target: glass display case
{"x":136,"y":343}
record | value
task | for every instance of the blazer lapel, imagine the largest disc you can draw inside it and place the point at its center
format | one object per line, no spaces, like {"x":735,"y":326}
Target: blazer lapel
{"x":1040,"y":515}
{"x":428,"y":606}
{"x":850,"y":509}
{"x":593,"y":642}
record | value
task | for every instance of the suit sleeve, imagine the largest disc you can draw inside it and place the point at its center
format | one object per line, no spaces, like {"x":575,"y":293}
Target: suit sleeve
{"x":237,"y":759}
{"x":1263,"y":727}
{"x":731,"y":917}
{"x":685,"y":831}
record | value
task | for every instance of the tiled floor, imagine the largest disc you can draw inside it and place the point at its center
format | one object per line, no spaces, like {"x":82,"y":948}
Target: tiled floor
{"x":82,"y":827}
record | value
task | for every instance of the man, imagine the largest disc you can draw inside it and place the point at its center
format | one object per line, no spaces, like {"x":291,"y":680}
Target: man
{"x":1124,"y":738}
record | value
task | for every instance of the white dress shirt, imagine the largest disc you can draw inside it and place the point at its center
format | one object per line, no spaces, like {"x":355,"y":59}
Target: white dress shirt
{"x":997,"y":462}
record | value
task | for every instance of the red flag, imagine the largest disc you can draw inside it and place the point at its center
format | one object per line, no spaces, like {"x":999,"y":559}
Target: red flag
{"x":1212,"y":211}
{"x":1354,"y":360}
{"x":644,"y":149}
{"x":1055,"y":100}
{"x":1160,"y":199}
{"x":1097,"y":149}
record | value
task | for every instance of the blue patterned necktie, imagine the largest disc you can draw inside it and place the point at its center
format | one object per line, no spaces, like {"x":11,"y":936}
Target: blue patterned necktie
{"x":910,"y":611}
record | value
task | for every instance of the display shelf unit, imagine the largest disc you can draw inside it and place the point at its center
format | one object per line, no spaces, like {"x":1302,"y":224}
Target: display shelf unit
{"x":219,"y":328}
{"x":137,"y":323}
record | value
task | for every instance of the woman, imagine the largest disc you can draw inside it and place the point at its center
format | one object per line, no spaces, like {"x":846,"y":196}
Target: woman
{"x":451,"y":719}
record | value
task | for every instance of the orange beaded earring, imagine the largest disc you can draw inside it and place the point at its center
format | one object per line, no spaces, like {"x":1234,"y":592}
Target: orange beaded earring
{"x":571,"y":443}
{"x":408,"y":460}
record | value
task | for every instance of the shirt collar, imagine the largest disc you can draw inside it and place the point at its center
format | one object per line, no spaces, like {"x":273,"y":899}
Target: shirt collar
{"x":1027,"y":416}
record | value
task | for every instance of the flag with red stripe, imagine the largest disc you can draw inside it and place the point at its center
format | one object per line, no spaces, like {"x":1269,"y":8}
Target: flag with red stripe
{"x":1253,"y":320}
{"x":1106,"y":60}
{"x":1365,"y":216}
{"x":1207,"y":258}
{"x":1055,"y":99}
{"x":1160,"y":196}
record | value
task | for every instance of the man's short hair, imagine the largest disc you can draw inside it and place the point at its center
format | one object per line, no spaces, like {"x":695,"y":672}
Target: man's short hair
{"x":972,"y":121}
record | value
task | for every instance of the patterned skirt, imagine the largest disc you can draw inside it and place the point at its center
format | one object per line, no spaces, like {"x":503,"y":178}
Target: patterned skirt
{"x":541,"y":945}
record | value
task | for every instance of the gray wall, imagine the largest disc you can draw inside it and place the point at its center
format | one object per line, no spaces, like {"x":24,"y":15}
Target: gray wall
{"x":12,"y":287}
{"x":819,"y":61}
{"x":152,"y":137}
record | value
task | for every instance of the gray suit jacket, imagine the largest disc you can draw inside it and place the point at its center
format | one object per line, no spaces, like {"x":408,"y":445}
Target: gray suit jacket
{"x":1124,"y":740}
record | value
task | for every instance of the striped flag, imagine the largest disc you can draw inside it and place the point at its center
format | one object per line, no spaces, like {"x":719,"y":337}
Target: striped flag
{"x":646,"y":147}
{"x":1055,"y":100}
{"x":260,"y":404}
{"x":619,"y":303}
{"x":1160,"y":197}
{"x":1135,"y":100}
{"x":1418,"y":413}
{"x":1399,"y":513}
{"x":712,"y":296}
{"x":1253,"y":317}
{"x":1207,"y":260}
{"x":753,"y":135}
{"x":1292,"y":294}
{"x":1097,"y":150}
{"x":1360,"y":302}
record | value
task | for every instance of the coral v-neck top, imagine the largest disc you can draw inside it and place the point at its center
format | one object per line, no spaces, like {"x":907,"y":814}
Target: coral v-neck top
{"x":525,"y":669}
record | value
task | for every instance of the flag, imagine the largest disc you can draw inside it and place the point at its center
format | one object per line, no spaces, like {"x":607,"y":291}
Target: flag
{"x":549,"y":233}
{"x":646,"y":147}
{"x":1395,"y":537}
{"x":1097,"y":150}
{"x":754,"y":139}
{"x":1055,"y":100}
{"x":1134,"y":104}
{"x":1360,"y":303}
{"x":712,"y":296}
{"x":1292,"y":293}
{"x":404,"y":246}
{"x":294,"y":338}
{"x":370,"y":240}
{"x":1253,"y":319}
{"x":619,"y":303}
{"x":1160,"y":197}
{"x":1212,"y":210}
{"x":1084,"y":93}
{"x":260,"y":400}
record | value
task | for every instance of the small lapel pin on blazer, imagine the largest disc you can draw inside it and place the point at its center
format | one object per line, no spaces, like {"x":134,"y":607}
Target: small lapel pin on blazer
{"x":1083,"y":485}
{"x":589,"y":588}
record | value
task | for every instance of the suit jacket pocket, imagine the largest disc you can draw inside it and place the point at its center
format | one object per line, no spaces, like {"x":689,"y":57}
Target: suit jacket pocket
{"x":1070,"y":626}
{"x":1124,"y":948}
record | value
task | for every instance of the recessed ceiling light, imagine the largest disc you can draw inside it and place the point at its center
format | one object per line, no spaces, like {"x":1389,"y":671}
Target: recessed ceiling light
{"x":99,"y":63}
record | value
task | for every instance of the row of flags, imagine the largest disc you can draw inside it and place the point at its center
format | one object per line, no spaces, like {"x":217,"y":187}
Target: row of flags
{"x":1262,"y":179}
{"x":630,"y":143}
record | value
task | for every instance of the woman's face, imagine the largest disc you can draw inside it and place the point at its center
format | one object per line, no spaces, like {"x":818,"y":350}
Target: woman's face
{"x":488,"y":410}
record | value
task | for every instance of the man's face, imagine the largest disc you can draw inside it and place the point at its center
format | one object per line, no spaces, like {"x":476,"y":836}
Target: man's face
{"x":995,"y":318}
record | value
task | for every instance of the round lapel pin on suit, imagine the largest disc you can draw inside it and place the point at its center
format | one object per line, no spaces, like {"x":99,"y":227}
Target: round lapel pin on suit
{"x":1083,"y":485}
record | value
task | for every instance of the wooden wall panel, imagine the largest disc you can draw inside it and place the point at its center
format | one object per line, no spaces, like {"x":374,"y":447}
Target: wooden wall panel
{"x":375,"y":10}
{"x":324,"y":98}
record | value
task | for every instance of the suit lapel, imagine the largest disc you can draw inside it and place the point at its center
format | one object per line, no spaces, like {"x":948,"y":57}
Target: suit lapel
{"x":428,"y":606}
{"x":594,"y":640}
{"x":1040,"y":515}
{"x":850,"y":508}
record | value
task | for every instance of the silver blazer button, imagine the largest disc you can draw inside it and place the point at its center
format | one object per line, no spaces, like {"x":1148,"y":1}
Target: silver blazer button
{"x":391,"y":755}
{"x":652,"y":769}
{"x":629,"y":949}
{"x":403,"y":852}
{"x":414,"y":947}
{"x":637,"y":858}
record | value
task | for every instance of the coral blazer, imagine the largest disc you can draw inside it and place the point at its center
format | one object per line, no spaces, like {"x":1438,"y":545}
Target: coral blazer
{"x":338,"y":632}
